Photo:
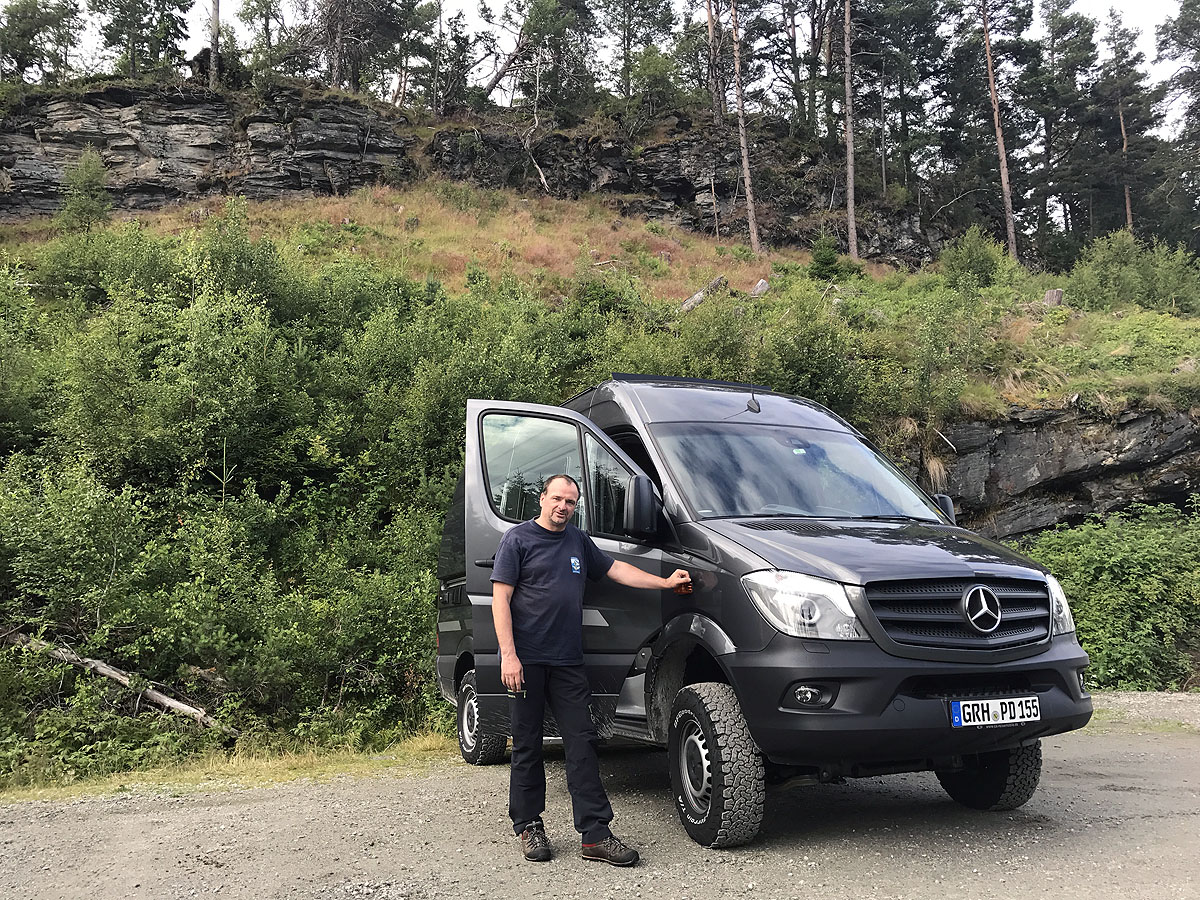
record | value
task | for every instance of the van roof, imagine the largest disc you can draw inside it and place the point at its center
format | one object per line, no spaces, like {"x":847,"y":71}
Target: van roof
{"x":670,"y":399}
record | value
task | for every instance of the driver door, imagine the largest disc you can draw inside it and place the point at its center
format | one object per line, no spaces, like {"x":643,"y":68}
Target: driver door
{"x":511,"y":448}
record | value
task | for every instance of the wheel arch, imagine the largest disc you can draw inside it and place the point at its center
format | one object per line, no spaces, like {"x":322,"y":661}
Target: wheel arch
{"x":689,"y":651}
{"x":464,"y":661}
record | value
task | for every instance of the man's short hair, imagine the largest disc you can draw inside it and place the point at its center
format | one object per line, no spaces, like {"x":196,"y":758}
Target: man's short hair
{"x":553,"y":478}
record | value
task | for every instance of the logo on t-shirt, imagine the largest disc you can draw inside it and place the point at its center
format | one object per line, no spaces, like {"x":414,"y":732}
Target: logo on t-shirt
{"x":575,"y":565}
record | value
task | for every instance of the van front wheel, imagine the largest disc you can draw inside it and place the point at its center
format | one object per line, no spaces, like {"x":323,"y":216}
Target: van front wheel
{"x":478,"y":747}
{"x":716,"y":769}
{"x":999,"y":780}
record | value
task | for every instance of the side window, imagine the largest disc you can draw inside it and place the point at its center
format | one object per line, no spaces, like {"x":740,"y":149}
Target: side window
{"x":631,"y":443}
{"x":608,"y":479}
{"x":520,"y":453}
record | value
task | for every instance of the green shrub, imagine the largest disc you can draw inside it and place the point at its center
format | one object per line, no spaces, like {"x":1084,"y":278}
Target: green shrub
{"x":827,"y":264}
{"x":1133,"y":581}
{"x":976,"y":261}
{"x":824,"y":265}
{"x":1119,"y":270}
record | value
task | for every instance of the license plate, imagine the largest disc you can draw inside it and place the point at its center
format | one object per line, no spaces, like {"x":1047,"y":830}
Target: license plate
{"x":1013,"y":711}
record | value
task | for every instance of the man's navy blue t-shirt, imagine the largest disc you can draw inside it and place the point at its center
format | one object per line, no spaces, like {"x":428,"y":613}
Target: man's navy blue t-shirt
{"x":547,"y":571}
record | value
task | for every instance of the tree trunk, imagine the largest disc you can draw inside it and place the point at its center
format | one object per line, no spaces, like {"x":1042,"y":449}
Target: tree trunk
{"x":883,"y":148}
{"x":814,"y":56}
{"x":214,"y":58}
{"x":506,"y":65}
{"x":437,"y":66}
{"x":831,"y":123}
{"x":1009,"y":221}
{"x":335,"y":56}
{"x":1125,"y":165}
{"x":789,"y":24}
{"x":751,"y":221}
{"x":1043,"y":218}
{"x":848,"y":108}
{"x":718,"y":107}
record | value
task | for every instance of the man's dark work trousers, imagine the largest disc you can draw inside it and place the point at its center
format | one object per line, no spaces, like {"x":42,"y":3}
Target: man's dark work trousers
{"x":565,"y":689}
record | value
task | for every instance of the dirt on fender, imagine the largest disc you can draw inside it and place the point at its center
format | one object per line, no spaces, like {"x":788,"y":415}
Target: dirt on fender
{"x":1117,"y":815}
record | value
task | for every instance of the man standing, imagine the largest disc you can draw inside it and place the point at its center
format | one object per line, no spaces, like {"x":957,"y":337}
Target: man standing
{"x":537,"y":604}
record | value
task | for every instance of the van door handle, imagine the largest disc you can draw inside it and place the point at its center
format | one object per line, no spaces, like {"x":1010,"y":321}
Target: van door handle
{"x":486,"y":563}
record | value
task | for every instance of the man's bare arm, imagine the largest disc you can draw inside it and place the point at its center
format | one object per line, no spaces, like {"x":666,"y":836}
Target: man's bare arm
{"x":511,"y":672}
{"x":632,"y":576}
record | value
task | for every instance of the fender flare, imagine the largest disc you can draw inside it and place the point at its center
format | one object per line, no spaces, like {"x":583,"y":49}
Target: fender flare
{"x":681,"y":635}
{"x":699,"y":629}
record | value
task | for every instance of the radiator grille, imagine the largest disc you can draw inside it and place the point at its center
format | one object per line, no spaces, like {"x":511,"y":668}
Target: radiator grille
{"x":928,"y":613}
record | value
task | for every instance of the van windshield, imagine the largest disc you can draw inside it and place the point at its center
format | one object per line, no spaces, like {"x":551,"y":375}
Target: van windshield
{"x":739,"y":469}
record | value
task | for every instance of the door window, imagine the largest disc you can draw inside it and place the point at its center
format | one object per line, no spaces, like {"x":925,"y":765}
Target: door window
{"x":608,"y":479}
{"x":520,"y":452}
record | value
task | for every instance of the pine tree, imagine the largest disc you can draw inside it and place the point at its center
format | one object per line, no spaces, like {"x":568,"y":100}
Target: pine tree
{"x":86,"y":201}
{"x":146,"y":35}
{"x":1055,"y":88}
{"x":38,"y":37}
{"x":1123,"y":150}
{"x":633,"y":25}
{"x":964,"y":184}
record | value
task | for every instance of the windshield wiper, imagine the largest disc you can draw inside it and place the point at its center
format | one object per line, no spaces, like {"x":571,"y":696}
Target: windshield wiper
{"x":898,"y":517}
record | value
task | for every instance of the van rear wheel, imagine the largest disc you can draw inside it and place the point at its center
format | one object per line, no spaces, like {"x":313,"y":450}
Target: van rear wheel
{"x":716,"y":769}
{"x":478,"y":747}
{"x":999,"y":780}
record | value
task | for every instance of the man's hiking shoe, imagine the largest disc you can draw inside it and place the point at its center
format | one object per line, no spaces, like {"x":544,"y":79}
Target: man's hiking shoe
{"x":611,"y":851}
{"x":534,"y":843}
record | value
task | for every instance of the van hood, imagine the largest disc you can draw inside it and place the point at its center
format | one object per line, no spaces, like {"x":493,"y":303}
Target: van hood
{"x":857,"y":552}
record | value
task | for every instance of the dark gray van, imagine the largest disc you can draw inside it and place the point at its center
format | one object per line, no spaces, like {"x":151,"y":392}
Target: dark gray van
{"x":841,"y":625}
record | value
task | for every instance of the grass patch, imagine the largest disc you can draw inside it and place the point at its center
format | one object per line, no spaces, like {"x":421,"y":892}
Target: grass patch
{"x":1106,"y":720}
{"x":432,"y":230}
{"x":249,"y":768}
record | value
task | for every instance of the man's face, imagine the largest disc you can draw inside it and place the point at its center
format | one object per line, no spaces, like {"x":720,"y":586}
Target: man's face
{"x":558,"y":502}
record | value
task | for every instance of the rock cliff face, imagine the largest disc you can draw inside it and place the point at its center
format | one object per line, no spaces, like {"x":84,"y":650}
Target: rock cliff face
{"x":1041,"y":467}
{"x":161,"y":145}
{"x":166,"y":144}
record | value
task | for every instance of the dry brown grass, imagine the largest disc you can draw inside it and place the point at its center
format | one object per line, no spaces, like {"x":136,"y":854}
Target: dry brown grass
{"x":541,"y":239}
{"x":1018,"y":330}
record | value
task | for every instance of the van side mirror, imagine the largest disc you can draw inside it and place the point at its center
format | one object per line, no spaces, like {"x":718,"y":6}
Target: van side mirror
{"x":946,"y":505}
{"x":642,"y":508}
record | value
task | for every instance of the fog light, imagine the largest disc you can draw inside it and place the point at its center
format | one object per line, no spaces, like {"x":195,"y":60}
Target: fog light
{"x":809,"y":695}
{"x":1082,"y":682}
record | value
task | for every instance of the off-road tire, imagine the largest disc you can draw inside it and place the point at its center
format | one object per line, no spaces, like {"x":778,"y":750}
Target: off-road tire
{"x":716,"y":768}
{"x":1002,"y":779}
{"x":478,"y":747}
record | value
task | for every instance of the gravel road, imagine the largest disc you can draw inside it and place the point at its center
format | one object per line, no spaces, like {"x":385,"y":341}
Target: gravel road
{"x":1117,"y":815}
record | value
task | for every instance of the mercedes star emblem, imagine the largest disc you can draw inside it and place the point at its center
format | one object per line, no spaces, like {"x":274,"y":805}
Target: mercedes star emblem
{"x":981,"y":608}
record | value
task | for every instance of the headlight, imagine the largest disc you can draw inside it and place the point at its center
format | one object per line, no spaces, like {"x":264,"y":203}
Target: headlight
{"x":804,"y":606}
{"x":1061,"y":620}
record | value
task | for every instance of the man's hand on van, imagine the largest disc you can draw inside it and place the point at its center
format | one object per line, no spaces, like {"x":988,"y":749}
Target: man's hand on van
{"x":632,"y":576}
{"x":679,"y":581}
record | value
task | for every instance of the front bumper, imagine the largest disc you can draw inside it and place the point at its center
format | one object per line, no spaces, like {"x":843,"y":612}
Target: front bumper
{"x":882,"y":711}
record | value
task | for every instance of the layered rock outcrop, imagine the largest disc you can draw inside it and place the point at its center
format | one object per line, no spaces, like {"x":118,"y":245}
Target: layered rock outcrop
{"x":160,"y":145}
{"x":1041,"y":467}
{"x":163,"y":144}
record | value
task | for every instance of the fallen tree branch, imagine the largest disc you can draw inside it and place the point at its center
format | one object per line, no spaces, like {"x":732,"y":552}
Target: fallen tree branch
{"x":697,"y":298}
{"x":97,"y":667}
